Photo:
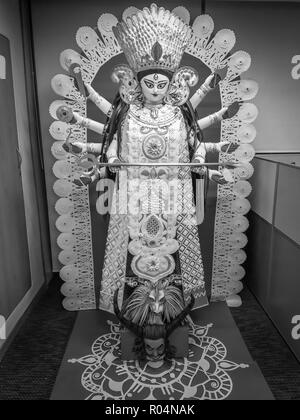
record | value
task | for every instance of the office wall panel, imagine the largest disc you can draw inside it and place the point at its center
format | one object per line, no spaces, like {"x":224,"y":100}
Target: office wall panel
{"x":259,"y":253}
{"x":11,"y":28}
{"x":270,"y":33}
{"x":14,"y":256}
{"x":285,"y":158}
{"x":284,"y":296}
{"x":263,"y":194}
{"x":287,"y":218}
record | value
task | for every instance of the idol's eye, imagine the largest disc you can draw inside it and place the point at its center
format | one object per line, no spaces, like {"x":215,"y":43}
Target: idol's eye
{"x":162,"y":85}
{"x":150,"y":85}
{"x":152,"y":295}
{"x":148,"y":348}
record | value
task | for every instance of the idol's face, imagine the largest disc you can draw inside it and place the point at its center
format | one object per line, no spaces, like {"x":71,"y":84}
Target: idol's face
{"x":157,"y":300}
{"x":155,"y":349}
{"x":155,"y":87}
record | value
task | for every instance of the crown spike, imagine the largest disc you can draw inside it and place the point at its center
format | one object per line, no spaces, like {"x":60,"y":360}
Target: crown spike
{"x":129,"y":12}
{"x":183,"y":13}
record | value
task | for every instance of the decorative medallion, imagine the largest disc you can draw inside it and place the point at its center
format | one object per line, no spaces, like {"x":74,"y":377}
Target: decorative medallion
{"x":153,"y":267}
{"x":152,"y":228}
{"x":154,"y":147}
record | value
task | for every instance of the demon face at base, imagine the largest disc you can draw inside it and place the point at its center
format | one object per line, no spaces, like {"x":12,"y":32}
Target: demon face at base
{"x":152,"y":341}
{"x":155,"y":349}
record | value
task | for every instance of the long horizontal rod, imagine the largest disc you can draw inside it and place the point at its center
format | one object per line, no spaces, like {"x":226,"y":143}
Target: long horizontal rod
{"x":153,"y":165}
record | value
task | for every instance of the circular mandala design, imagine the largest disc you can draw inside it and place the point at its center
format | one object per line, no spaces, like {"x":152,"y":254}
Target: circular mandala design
{"x":204,"y":375}
{"x":154,"y":147}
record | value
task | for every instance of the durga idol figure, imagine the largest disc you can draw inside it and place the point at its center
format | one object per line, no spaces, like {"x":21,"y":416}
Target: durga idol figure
{"x":153,"y":257}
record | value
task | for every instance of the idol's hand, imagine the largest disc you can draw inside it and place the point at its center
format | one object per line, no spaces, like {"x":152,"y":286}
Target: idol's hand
{"x":114,"y":169}
{"x":201,"y":170}
{"x":76,"y":148}
{"x":227,"y":147}
{"x":213,"y":81}
{"x":221,"y":115}
{"x":209,"y":85}
{"x":88,"y":123}
{"x":78,"y":118}
{"x":217,"y":177}
{"x":83,"y":181}
{"x":98,"y":100}
{"x":208,"y":82}
{"x":86,"y":180}
{"x":213,"y":119}
{"x":91,"y":90}
{"x":232,"y":110}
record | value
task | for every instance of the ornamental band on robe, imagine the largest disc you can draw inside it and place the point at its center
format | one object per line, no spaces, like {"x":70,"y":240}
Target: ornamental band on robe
{"x":149,"y":243}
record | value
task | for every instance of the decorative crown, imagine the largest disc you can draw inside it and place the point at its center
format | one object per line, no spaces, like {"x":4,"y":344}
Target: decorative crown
{"x":153,"y":38}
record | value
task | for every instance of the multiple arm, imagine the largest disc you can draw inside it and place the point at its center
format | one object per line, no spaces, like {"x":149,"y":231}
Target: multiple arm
{"x":112,"y":152}
{"x":105,"y":107}
{"x":208,"y":86}
{"x":200,"y":157}
{"x":112,"y":155}
{"x":78,"y":147}
{"x":221,"y":147}
{"x":212,"y":119}
{"x":89,"y":124}
{"x":98,"y":100}
{"x":224,"y":114}
{"x":204,"y":148}
{"x":227,"y":112}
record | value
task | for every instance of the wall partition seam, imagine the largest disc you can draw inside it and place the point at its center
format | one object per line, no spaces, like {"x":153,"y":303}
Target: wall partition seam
{"x":30,"y":73}
{"x":35,"y":131}
{"x":271,"y":250}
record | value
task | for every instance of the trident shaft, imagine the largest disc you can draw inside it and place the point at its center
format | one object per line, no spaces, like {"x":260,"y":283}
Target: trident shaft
{"x":155,"y":165}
